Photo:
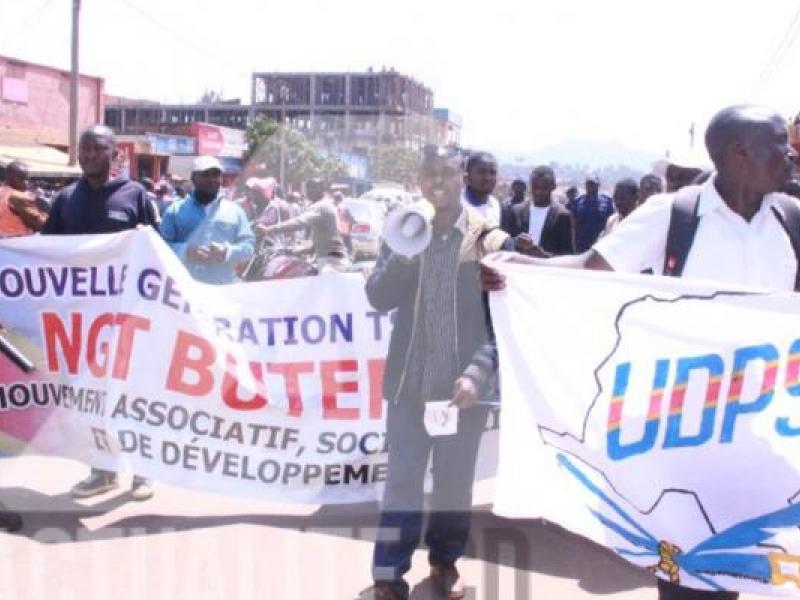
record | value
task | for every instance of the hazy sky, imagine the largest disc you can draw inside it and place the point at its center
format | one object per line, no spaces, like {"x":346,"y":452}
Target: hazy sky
{"x":522,"y":74}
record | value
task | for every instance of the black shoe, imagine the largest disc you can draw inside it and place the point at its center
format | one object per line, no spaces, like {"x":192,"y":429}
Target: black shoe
{"x":448,"y":581}
{"x":10,"y":521}
{"x":382,"y":590}
{"x":98,"y":482}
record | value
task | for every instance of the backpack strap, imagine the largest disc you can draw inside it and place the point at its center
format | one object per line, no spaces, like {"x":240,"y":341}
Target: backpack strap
{"x":787,"y":211}
{"x":683,"y":223}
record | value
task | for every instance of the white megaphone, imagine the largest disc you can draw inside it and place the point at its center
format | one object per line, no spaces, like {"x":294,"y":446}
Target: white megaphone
{"x":407,"y":230}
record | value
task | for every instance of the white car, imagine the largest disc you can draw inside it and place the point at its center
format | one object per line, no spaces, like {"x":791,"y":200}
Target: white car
{"x":367,"y":225}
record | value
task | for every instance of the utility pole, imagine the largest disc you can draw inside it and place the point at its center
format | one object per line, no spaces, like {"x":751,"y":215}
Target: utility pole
{"x":282,"y":161}
{"x":73,"y":87}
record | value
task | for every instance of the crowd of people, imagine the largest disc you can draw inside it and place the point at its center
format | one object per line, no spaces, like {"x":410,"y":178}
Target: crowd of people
{"x":441,"y":345}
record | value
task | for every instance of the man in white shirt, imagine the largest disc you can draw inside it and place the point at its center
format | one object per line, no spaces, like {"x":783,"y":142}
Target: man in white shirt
{"x":541,"y":227}
{"x":739,"y":238}
{"x":480,"y":179}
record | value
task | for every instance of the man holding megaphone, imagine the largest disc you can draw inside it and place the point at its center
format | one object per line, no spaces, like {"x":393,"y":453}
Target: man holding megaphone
{"x":441,"y":362}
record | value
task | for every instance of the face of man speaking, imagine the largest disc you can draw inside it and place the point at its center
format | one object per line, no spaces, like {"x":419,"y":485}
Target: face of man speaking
{"x":440,"y":181}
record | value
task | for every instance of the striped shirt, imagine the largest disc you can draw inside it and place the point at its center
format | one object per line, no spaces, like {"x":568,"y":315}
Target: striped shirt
{"x":433,"y":362}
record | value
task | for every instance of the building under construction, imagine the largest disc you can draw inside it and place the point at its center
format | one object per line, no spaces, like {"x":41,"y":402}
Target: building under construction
{"x":339,"y":111}
{"x":350,"y":111}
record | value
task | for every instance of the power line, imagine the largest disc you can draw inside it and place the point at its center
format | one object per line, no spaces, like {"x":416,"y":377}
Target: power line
{"x":782,"y":49}
{"x":25,"y":27}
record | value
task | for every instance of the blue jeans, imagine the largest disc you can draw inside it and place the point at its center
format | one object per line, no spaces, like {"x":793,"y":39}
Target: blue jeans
{"x":453,"y":474}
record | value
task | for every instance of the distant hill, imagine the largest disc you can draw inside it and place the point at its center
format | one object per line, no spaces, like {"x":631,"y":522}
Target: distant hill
{"x":592,"y":154}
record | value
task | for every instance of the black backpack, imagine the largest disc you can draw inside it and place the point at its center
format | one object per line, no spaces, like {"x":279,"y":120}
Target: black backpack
{"x":684,"y":220}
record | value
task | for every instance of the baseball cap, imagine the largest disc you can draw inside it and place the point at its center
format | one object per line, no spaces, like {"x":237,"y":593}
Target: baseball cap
{"x":206,"y":163}
{"x":266,"y":185}
{"x":689,"y":159}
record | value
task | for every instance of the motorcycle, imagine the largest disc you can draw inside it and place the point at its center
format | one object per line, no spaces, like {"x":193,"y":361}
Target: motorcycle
{"x":276,"y":260}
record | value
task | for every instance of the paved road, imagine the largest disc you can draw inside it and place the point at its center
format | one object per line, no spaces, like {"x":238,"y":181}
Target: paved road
{"x":184,"y":544}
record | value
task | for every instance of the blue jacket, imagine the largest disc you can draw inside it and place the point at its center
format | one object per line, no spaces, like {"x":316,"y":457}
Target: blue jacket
{"x":185,"y":223}
{"x":590,"y":216}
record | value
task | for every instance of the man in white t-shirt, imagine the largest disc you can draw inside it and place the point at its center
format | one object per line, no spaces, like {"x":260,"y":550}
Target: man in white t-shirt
{"x":480,"y":179}
{"x":738,"y":239}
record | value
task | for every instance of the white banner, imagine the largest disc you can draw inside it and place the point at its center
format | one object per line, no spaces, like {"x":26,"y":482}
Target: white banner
{"x":269,"y":389}
{"x":655,"y":416}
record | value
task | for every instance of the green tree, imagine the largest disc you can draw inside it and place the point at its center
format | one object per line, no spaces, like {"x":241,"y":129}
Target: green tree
{"x":394,"y":163}
{"x":302,"y":159}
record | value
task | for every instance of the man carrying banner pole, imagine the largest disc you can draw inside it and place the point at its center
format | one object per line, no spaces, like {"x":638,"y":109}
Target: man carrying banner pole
{"x":96,"y":203}
{"x":733,"y":229}
{"x":439,"y":363}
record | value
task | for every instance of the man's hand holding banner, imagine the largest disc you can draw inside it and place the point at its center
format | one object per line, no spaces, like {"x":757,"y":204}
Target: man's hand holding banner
{"x":667,"y":408}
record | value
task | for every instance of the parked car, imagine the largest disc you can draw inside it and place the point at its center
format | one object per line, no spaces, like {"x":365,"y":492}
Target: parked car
{"x":365,"y":232}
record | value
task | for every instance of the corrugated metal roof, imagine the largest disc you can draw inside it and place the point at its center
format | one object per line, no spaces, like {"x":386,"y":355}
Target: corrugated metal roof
{"x":42,"y":161}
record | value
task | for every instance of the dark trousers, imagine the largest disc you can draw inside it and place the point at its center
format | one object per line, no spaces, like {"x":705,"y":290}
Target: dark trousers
{"x":401,"y":513}
{"x":670,"y":591}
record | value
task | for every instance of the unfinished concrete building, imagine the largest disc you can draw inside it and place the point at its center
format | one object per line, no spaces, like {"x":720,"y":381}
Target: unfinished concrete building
{"x":348,"y":111}
{"x":137,"y":117}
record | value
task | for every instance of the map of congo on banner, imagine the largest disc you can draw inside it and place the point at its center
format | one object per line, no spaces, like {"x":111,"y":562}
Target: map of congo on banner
{"x":658,"y":417}
{"x":268,"y":389}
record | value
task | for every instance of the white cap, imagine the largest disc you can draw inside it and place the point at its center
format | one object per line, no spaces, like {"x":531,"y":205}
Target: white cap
{"x":206,"y":163}
{"x":692,"y":158}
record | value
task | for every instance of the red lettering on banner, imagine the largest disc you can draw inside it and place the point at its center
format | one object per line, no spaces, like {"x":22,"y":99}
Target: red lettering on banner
{"x":70,"y":345}
{"x":192,"y":354}
{"x":331,"y":388}
{"x":100,"y":323}
{"x":230,"y":385}
{"x":375,"y":368}
{"x":291,"y":375}
{"x":54,"y":331}
{"x":129,"y":325}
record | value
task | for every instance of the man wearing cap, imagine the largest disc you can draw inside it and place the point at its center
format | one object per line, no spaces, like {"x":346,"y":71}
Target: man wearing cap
{"x":262,"y":204}
{"x":96,"y":203}
{"x":208,"y":232}
{"x":681,"y":169}
{"x":257,"y":194}
{"x":590,"y":212}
